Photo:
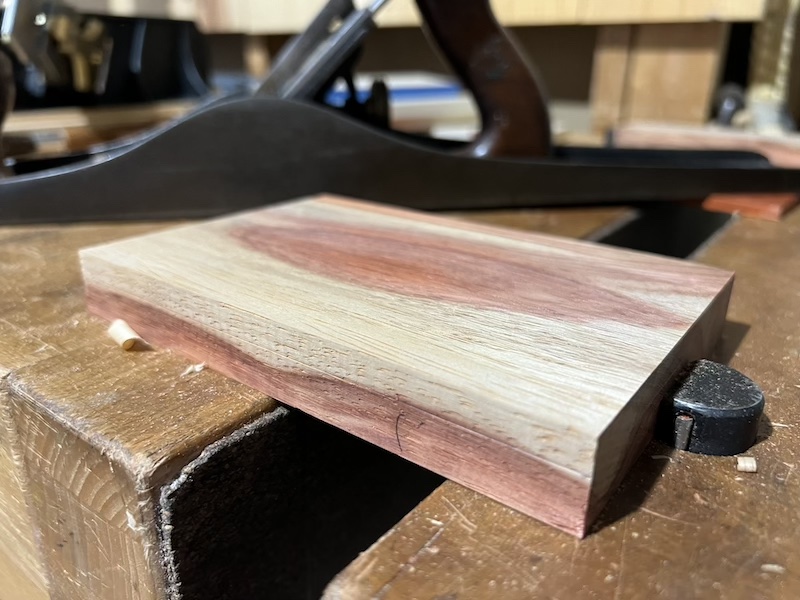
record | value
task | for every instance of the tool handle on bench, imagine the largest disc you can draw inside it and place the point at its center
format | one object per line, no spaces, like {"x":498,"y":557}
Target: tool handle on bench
{"x":513,"y":112}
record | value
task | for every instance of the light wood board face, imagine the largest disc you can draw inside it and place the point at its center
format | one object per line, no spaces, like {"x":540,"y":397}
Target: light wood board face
{"x":525,"y":366}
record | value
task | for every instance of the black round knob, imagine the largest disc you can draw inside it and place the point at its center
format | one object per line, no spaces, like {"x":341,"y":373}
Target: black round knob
{"x":714,"y":410}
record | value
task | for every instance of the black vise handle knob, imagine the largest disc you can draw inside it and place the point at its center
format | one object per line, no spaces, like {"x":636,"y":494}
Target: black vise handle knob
{"x":714,"y":410}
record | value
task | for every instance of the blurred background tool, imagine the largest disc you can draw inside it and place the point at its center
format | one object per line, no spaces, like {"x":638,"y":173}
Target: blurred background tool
{"x":250,"y":149}
{"x":65,"y":57}
{"x":84,"y":78}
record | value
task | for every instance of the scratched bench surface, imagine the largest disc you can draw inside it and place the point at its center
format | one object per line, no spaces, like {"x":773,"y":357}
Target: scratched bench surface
{"x":67,"y":371}
{"x":681,"y":526}
{"x":87,"y":431}
{"x":525,"y":366}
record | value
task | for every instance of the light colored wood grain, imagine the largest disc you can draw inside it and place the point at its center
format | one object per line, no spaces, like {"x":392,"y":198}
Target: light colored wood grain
{"x":91,"y":516}
{"x":287,"y":16}
{"x":682,"y":526}
{"x":89,"y":433}
{"x":673,"y":71}
{"x":84,"y":392}
{"x":22,"y":571}
{"x":106,"y":433}
{"x":610,"y":75}
{"x":38,"y":278}
{"x":95,"y":118}
{"x":634,"y":11}
{"x":540,"y":13}
{"x":657,"y":72}
{"x":256,"y":56}
{"x":53,"y":132}
{"x":164,"y":9}
{"x":526,"y":367}
{"x":565,"y":222}
{"x":782,"y":151}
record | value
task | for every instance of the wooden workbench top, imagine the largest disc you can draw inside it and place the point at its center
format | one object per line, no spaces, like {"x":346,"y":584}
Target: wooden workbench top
{"x":126,"y":476}
{"x":681,"y":526}
{"x":90,"y":433}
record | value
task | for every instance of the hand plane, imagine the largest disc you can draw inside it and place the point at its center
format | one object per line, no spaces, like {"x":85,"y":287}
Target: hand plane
{"x":283,"y":142}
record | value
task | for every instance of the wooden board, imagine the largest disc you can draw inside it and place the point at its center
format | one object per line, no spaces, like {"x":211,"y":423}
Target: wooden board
{"x":286,"y":16}
{"x":771,"y":207}
{"x":145,"y":406}
{"x":782,"y":151}
{"x":666,"y":72}
{"x":526,"y":367}
{"x":682,"y":525}
{"x":610,"y":75}
{"x":93,"y":119}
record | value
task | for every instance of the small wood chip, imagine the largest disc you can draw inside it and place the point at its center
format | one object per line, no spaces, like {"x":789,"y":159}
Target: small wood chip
{"x":192,"y":369}
{"x":746,"y":464}
{"x":773,"y":568}
{"x":124,"y":336}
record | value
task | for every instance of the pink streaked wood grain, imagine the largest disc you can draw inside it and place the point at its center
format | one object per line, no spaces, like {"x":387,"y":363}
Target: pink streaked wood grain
{"x":527,"y":367}
{"x":770,"y":207}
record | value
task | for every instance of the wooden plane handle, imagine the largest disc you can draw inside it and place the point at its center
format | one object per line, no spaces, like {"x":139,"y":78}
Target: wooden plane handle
{"x":513,"y":112}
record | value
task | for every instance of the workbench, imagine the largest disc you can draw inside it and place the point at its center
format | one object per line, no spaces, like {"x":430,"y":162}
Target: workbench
{"x":135,"y":475}
{"x":681,"y":526}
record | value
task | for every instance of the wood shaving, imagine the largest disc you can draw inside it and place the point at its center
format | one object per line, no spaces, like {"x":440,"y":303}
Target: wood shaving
{"x":746,"y":464}
{"x":192,"y":369}
{"x":773,"y":568}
